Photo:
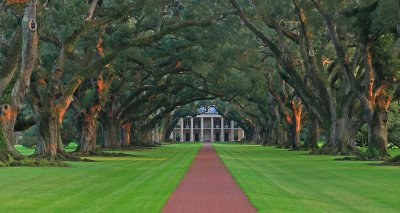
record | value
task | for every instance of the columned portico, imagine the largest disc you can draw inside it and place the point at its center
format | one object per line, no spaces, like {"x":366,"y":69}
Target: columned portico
{"x":222,"y":137}
{"x":191,"y":130}
{"x":212,"y":129}
{"x":181,"y":130}
{"x":207,"y":127}
{"x":232,"y":135}
{"x":202,"y":129}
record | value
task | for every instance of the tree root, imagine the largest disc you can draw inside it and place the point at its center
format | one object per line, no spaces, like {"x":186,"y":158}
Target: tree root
{"x":37,"y":162}
{"x":392,"y":162}
{"x":60,"y":157}
{"x":326,"y":150}
{"x":100,"y":154}
{"x":365,"y":157}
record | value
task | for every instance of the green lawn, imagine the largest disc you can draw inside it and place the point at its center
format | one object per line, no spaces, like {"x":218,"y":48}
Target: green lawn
{"x":278,"y":180}
{"x":140,"y":183}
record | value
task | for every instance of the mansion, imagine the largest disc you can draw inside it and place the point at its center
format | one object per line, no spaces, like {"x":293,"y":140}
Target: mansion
{"x":207,"y":127}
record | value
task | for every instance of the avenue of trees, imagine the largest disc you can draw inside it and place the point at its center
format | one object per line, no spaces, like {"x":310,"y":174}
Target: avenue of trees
{"x":115,"y":74}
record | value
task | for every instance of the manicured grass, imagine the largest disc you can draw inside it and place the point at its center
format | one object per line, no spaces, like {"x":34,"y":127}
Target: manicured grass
{"x":29,"y":151}
{"x":139,"y":183}
{"x":278,"y":180}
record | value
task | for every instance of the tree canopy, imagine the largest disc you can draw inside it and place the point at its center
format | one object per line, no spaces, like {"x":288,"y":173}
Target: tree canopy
{"x":116,"y":74}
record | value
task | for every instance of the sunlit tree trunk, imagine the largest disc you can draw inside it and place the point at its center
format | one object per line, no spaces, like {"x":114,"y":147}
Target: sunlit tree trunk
{"x":377,"y":129}
{"x":126,"y":134}
{"x":49,"y":143}
{"x":9,"y":112}
{"x":88,"y":134}
{"x":89,"y":118}
{"x":297,"y":110}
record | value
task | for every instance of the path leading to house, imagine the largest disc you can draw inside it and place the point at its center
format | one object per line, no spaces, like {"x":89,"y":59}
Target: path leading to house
{"x":208,"y":187}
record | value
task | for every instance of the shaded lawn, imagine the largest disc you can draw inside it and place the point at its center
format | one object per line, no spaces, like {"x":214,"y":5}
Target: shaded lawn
{"x":140,"y":183}
{"x":277,"y":180}
{"x":29,"y":151}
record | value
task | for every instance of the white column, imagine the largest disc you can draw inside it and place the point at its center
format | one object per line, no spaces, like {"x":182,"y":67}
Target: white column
{"x":212,"y":129}
{"x":232,"y":135}
{"x":202,"y":130}
{"x":181,"y":130}
{"x":222,"y":135}
{"x":191,"y":130}
{"x":239,"y":134}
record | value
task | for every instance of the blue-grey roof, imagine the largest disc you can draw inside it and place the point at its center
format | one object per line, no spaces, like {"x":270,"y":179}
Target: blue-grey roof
{"x":211,"y":110}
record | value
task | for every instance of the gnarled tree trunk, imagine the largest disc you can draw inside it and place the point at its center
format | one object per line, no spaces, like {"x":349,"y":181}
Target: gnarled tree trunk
{"x":126,"y":134}
{"x":8,"y":117}
{"x":88,"y":134}
{"x":8,"y":114}
{"x":5,"y":157}
{"x":297,"y":110}
{"x":342,"y":135}
{"x":110,"y":130}
{"x":311,"y":141}
{"x":89,"y":117}
{"x":377,"y":134}
{"x":49,"y":143}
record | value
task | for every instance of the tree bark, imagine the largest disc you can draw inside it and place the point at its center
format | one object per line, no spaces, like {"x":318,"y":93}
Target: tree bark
{"x":87,"y":142}
{"x":279,"y":129}
{"x":126,"y":134}
{"x":88,"y":134}
{"x":376,"y":106}
{"x":110,"y":129}
{"x":5,"y":156}
{"x":264,"y":137}
{"x":296,"y":126}
{"x":311,"y":141}
{"x":12,"y":61}
{"x":290,"y":136}
{"x":8,"y":114}
{"x":49,"y":143}
{"x":377,"y":134}
{"x":269,"y":136}
{"x":340,"y":140}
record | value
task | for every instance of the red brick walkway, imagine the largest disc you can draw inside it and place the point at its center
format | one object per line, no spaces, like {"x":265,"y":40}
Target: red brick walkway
{"x":208,"y":187}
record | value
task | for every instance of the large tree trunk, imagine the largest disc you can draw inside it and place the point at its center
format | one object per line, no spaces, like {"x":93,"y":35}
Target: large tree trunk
{"x":143,"y":137}
{"x":280,"y":136}
{"x":293,"y":137}
{"x":279,"y":129}
{"x":269,"y":136}
{"x":8,"y":117}
{"x":376,"y":106}
{"x":341,"y":138}
{"x":5,"y":156}
{"x":8,"y":114}
{"x":126,"y":134}
{"x":290,"y":134}
{"x":296,"y":143}
{"x":264,"y":137}
{"x":296,"y":127}
{"x":377,"y":134}
{"x":311,"y":141}
{"x":87,"y":142}
{"x":256,"y":135}
{"x":49,"y":143}
{"x":110,"y":131}
{"x":88,"y":134}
